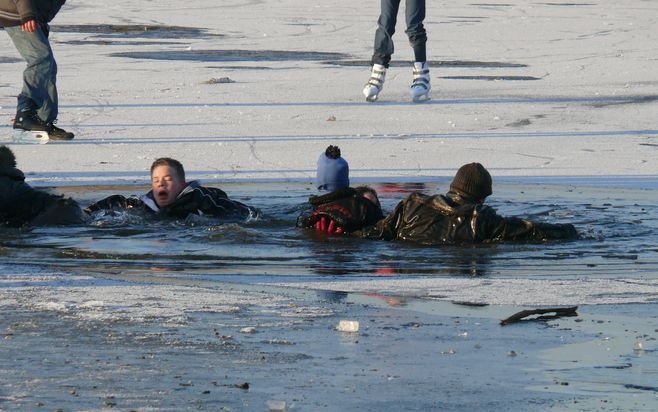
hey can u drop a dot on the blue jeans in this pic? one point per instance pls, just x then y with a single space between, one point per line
39 77
414 15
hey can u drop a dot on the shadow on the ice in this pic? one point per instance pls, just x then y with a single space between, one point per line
432 63
136 31
5 59
231 55
594 101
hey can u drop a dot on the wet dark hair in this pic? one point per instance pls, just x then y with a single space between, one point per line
362 190
7 158
173 163
332 152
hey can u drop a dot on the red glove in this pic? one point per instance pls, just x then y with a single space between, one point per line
329 228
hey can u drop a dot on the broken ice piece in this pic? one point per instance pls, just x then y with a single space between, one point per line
248 329
276 405
348 326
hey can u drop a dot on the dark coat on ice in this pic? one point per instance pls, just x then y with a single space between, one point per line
20 204
347 207
452 218
17 12
194 199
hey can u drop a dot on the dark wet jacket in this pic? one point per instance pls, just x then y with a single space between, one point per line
193 200
439 219
17 12
20 204
347 207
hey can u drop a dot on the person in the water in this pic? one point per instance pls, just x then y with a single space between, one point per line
172 196
22 205
344 209
460 216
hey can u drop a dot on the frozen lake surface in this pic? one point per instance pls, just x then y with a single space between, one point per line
556 99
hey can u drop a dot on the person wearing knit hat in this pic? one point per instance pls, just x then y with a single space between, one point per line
460 216
472 181
344 210
333 171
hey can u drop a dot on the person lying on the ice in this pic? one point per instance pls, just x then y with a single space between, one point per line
460 216
172 196
344 209
21 205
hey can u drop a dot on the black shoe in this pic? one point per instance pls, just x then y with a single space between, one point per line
55 133
28 120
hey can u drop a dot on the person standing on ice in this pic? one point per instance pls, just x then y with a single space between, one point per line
414 15
26 23
344 209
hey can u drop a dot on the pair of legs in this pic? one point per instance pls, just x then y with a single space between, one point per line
414 16
39 92
37 107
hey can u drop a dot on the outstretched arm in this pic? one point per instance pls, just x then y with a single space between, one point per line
114 202
514 228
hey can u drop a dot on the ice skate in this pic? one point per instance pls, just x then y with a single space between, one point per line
376 83
29 128
420 88
20 136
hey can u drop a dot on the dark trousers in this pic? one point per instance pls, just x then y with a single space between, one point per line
414 16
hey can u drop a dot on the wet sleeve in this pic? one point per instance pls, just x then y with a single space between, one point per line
27 203
214 202
61 212
332 211
514 228
114 202
387 228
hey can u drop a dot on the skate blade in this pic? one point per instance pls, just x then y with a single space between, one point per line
372 98
30 137
422 98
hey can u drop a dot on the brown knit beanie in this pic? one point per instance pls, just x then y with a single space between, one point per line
472 180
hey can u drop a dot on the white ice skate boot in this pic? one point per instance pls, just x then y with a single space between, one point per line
376 83
420 88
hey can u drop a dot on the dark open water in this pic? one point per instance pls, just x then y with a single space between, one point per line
619 228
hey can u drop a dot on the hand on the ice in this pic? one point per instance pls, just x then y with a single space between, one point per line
30 26
328 226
